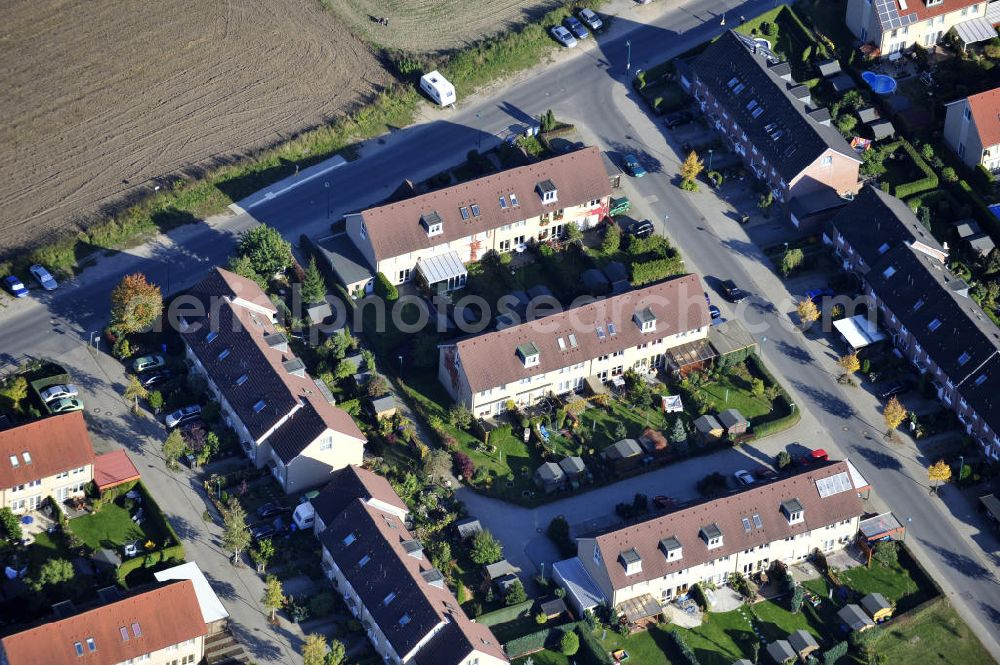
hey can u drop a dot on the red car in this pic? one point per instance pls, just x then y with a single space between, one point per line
816 456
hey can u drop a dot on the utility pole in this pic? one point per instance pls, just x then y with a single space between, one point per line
326 185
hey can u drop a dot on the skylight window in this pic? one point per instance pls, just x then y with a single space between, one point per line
91 645
79 648
349 538
405 619
124 633
211 336
14 462
756 521
241 379
751 104
27 457
562 344
503 203
475 210
136 630
981 379
889 272
917 305
738 89
572 340
259 406
733 81
600 332
513 199
962 359
464 211
223 354
883 248
612 330
934 325
364 560
389 598
746 525
757 111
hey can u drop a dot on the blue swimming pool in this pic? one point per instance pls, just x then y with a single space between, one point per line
880 84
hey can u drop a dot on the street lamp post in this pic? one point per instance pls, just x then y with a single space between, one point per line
628 62
326 186
961 466
711 153
400 365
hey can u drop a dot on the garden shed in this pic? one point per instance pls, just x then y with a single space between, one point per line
829 67
653 441
868 114
553 609
803 643
781 652
734 422
624 454
468 527
878 608
981 244
549 477
708 428
573 467
501 574
841 83
854 618
384 407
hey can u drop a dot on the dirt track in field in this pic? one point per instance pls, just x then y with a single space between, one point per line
435 25
97 98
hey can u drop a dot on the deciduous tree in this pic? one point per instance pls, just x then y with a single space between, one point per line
692 167
262 554
437 464
236 534
337 653
938 473
807 310
314 649
135 304
135 390
53 572
274 596
485 548
268 252
894 413
15 390
849 363
243 266
791 259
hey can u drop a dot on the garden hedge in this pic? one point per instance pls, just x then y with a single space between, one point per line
591 652
175 554
532 642
505 614
928 182
647 272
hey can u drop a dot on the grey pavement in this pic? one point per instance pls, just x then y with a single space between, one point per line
586 87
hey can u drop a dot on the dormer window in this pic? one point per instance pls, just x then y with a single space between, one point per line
547 190
793 511
529 354
433 224
712 535
645 319
631 561
671 548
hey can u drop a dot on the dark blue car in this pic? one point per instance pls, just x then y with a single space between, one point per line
15 286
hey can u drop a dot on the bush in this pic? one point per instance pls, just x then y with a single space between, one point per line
569 644
322 604
515 594
689 185
385 289
687 653
798 595
927 182
591 651
698 596
887 554
835 653
11 525
715 178
647 272
559 533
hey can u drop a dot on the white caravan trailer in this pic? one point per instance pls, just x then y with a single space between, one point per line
438 88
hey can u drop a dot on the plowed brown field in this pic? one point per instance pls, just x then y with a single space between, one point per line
99 97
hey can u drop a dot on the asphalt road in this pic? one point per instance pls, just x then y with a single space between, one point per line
585 88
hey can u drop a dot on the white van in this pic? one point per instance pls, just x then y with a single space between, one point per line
304 516
438 88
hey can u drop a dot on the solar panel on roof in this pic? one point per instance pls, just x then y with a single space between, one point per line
836 484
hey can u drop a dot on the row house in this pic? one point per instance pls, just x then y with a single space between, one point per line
927 310
972 129
554 355
641 567
381 571
432 237
49 457
897 25
749 96
284 418
164 625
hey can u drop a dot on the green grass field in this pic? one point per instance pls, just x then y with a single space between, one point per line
111 527
934 635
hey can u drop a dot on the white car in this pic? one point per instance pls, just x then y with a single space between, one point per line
43 277
58 392
744 478
591 19
563 36
181 416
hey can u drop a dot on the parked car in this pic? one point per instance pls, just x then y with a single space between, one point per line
15 286
662 502
895 388
563 36
619 206
642 229
43 277
591 18
744 478
678 118
714 312
815 294
573 24
633 166
65 405
814 457
271 509
732 292
153 379
183 415
262 531
58 392
146 363
764 472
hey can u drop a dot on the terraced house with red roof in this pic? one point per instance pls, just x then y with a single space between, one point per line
433 236
972 129
641 567
284 418
642 330
897 25
390 586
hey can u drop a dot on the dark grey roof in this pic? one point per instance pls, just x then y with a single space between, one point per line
802 640
384 403
828 67
670 543
853 617
982 244
710 531
731 417
882 129
500 569
821 116
875 222
348 485
345 259
553 607
706 423
781 651
630 556
842 83
875 602
735 76
868 114
468 527
966 228
791 506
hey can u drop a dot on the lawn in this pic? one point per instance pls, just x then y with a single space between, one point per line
789 39
603 428
111 527
731 392
545 657
898 584
934 635
827 18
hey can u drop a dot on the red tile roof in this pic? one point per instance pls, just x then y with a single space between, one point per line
923 12
491 360
53 445
395 229
985 109
165 616
728 513
114 468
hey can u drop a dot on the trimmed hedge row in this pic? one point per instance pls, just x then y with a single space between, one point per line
175 554
687 653
591 652
647 272
929 181
505 614
532 642
172 552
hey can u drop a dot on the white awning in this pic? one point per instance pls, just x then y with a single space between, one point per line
975 30
857 479
858 331
441 268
